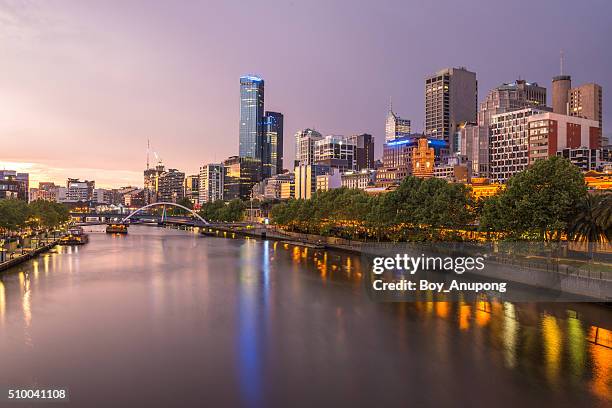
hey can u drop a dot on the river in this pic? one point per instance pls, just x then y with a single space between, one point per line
163 318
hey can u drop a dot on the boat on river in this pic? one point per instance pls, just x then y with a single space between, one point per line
74 236
117 229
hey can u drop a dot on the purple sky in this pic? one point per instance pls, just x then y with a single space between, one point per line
83 84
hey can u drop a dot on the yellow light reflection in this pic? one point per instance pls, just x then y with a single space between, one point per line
2 302
442 309
483 313
465 312
576 338
602 371
552 338
510 335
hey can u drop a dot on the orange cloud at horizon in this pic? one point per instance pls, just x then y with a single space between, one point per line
104 178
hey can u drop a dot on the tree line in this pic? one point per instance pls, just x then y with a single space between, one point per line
16 215
548 201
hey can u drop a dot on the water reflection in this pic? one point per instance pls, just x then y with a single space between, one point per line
286 316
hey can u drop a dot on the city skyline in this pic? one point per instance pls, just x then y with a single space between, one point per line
86 89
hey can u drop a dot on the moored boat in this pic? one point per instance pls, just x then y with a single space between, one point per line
74 236
116 229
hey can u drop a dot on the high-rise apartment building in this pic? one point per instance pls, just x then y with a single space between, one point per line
451 97
211 183
151 178
251 116
305 146
509 144
272 160
507 97
170 186
336 152
586 101
550 132
396 127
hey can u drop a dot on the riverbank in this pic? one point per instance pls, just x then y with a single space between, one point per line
590 280
27 256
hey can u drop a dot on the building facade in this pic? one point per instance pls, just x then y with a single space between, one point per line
451 97
79 190
423 159
272 187
364 150
240 175
192 188
397 158
396 127
509 145
359 179
335 151
506 97
251 116
151 179
211 183
14 185
305 146
586 101
550 132
306 179
170 186
272 161
587 159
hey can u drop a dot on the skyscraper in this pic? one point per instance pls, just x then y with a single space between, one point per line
211 182
585 101
251 116
395 126
272 159
305 144
451 97
506 97
561 85
364 150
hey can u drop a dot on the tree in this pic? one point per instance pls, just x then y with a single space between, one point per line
48 214
591 224
538 202
13 214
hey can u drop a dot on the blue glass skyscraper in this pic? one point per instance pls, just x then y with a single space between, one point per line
272 158
251 117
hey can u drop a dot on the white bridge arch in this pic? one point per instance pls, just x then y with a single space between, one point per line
165 204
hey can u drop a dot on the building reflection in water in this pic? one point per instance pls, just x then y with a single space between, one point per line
517 340
252 310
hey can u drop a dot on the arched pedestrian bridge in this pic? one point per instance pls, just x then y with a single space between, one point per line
164 204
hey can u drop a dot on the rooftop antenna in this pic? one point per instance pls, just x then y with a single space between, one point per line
148 148
390 104
561 57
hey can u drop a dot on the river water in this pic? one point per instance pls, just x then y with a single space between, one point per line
163 318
